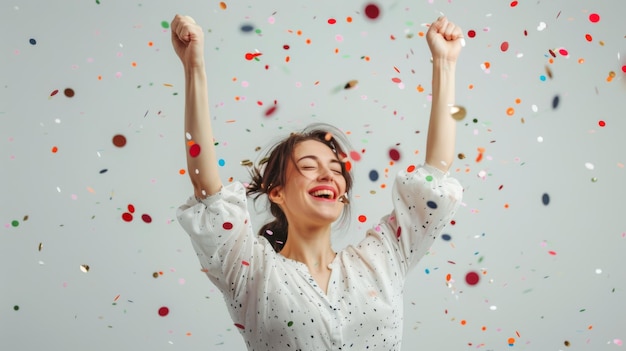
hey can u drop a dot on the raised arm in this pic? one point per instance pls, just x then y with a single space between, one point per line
188 42
444 40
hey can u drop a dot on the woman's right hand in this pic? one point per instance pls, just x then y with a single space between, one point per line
188 41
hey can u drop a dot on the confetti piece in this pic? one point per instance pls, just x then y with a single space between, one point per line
127 217
119 140
504 46
362 218
471 33
227 225
372 11
194 150
32 41
373 175
163 311
431 204
290 323
69 92
472 278
351 84
271 110
594 18
245 263
394 154
545 198
247 28
16 308
458 112
84 268
146 218
555 102
446 237
223 5
240 326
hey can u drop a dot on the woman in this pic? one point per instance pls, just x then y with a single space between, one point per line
293 291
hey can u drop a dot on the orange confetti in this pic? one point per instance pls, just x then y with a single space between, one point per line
511 341
54 149
448 277
510 111
420 88
150 43
287 59
308 41
349 19
223 5
463 322
181 171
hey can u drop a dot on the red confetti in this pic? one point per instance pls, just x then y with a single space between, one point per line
588 37
245 263
131 208
119 140
398 232
396 80
127 217
227 225
504 46
146 218
355 155
53 93
471 33
394 154
194 150
602 123
624 68
362 218
472 278
251 56
332 21
372 11
164 311
513 3
286 47
553 253
563 52
240 326
594 18
270 111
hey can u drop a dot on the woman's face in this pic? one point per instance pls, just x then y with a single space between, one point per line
314 183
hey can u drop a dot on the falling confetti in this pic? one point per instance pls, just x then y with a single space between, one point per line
545 198
119 140
372 11
472 278
69 92
163 311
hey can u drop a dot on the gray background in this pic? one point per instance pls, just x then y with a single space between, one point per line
552 276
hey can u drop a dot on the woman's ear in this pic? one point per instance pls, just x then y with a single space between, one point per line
276 195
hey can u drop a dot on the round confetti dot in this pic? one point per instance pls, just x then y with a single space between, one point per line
194 150
513 3
119 140
223 5
290 323
471 33
373 175
446 237
431 204
15 223
372 11
472 278
362 218
131 208
146 218
164 311
247 28
624 68
545 198
54 149
504 46
221 162
16 308
511 341
165 24
32 41
332 21
69 92
594 18
227 225
394 154
602 123
127 217
555 102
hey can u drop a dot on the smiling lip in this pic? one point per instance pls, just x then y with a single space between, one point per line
324 187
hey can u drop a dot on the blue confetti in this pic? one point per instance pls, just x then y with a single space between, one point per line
431 204
545 199
373 175
446 237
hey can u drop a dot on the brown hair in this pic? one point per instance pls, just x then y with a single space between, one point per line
270 172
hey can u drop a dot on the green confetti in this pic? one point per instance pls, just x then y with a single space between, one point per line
290 323
15 223
165 24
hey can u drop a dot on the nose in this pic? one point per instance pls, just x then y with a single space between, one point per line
326 174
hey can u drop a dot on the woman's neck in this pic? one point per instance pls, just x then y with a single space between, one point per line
309 246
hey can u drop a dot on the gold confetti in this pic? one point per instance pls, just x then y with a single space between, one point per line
458 112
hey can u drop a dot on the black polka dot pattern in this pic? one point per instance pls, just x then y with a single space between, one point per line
276 304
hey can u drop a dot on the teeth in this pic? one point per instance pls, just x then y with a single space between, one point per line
320 193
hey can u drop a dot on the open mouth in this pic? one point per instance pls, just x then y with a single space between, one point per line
324 194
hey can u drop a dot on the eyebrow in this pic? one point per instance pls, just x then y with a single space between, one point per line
315 158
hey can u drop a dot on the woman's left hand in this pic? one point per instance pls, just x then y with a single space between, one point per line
444 40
